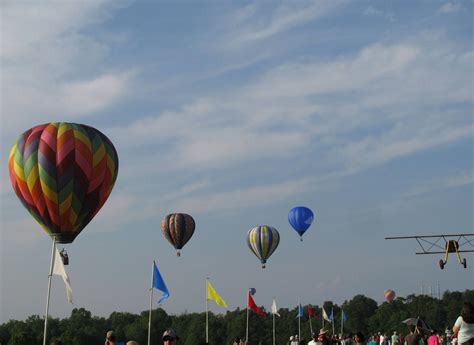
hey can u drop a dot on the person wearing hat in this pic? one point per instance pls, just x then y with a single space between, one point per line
131 342
110 338
170 337
323 337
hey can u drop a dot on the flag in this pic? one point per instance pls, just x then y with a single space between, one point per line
59 270
274 308
159 283
325 316
254 307
343 316
300 311
331 317
212 295
310 312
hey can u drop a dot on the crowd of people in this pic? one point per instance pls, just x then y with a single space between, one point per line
462 334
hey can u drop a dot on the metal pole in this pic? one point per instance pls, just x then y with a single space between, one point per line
322 315
273 328
422 289
310 326
431 290
53 254
151 301
439 294
207 314
247 328
299 321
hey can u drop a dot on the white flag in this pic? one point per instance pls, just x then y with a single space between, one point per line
59 270
274 308
325 316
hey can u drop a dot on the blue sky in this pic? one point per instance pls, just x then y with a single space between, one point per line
235 112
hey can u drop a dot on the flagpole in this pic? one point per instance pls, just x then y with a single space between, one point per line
247 328
299 321
273 328
322 314
332 321
53 254
207 316
151 301
310 326
342 322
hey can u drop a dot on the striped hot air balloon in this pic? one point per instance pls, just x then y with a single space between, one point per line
63 174
262 241
178 228
389 295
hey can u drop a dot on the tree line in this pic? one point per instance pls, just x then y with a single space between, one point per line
362 314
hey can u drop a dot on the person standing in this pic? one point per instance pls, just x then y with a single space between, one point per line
110 338
464 325
170 337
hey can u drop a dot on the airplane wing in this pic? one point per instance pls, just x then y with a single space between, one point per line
429 243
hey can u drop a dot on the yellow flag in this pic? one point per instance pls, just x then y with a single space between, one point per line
212 295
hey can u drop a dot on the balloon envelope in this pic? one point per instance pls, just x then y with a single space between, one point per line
262 241
178 228
63 174
300 218
389 295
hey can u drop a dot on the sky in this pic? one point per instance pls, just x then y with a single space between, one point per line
235 112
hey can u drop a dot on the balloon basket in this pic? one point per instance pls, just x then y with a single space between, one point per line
178 254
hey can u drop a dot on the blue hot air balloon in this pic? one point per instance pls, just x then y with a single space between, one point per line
300 219
262 241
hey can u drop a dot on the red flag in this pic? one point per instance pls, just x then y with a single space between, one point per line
316 316
310 312
254 307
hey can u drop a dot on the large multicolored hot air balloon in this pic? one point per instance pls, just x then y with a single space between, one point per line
300 218
262 241
389 295
63 174
178 228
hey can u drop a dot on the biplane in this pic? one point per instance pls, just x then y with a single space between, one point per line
443 244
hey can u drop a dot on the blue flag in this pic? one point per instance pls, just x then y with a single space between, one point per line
343 316
159 283
331 317
300 311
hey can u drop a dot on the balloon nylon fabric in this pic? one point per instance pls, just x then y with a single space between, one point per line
300 218
63 173
262 241
178 228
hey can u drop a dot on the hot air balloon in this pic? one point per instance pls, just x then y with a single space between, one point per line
178 228
389 295
300 218
262 241
63 174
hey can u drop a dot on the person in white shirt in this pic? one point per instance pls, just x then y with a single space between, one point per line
464 325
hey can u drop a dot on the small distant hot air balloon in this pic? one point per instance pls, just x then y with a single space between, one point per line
262 241
178 228
389 295
300 219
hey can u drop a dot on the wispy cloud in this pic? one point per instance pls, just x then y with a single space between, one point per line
450 7
52 67
278 20
453 181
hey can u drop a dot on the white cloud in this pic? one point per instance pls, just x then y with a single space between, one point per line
50 66
450 7
283 18
452 181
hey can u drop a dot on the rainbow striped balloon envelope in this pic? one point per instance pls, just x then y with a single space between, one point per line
262 241
63 174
